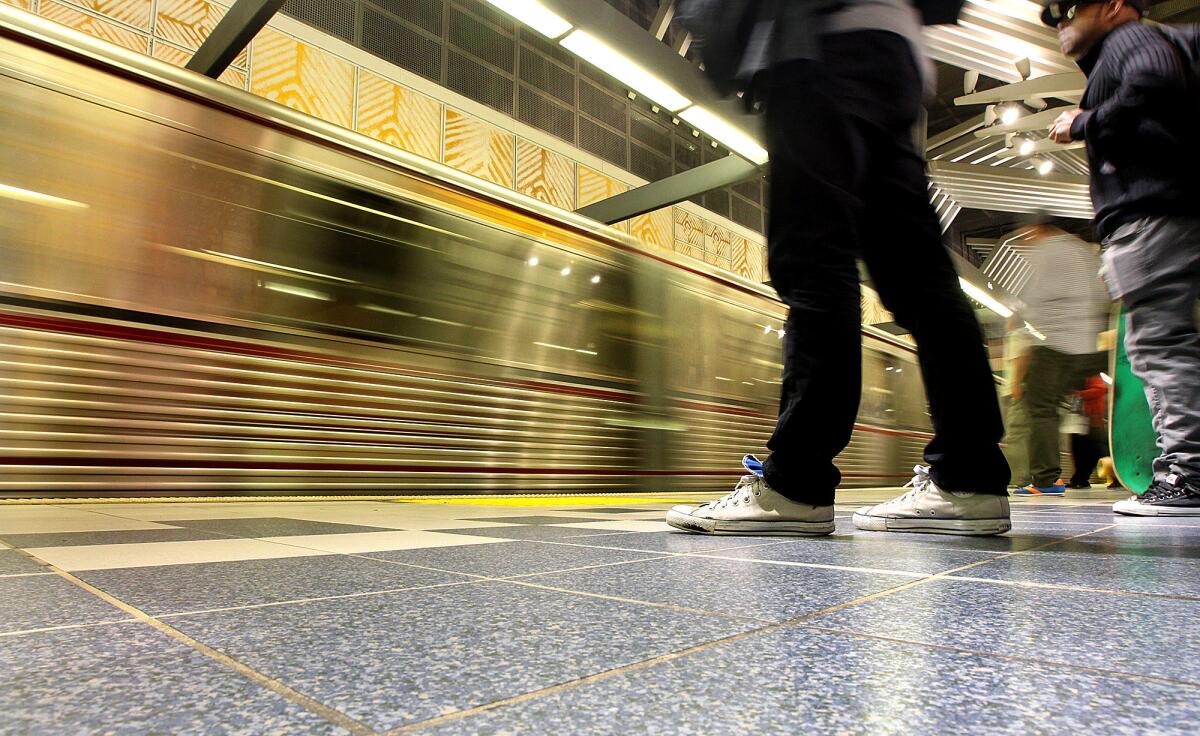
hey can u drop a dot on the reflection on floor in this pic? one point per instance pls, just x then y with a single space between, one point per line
588 615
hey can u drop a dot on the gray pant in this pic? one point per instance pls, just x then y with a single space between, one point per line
1016 441
1153 266
1051 377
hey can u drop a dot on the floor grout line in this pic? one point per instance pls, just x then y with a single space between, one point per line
355 727
1005 657
644 664
66 627
1074 588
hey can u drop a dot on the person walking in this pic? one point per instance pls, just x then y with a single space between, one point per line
841 97
1138 119
1067 304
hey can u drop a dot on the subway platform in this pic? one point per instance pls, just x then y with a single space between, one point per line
587 615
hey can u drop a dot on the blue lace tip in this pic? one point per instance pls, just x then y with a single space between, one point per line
753 465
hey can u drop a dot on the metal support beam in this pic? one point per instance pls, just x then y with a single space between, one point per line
662 19
241 24
673 189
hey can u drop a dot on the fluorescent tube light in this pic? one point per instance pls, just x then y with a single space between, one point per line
535 15
596 52
31 197
722 131
984 298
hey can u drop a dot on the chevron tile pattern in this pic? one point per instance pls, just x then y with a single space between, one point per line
479 149
545 175
303 77
689 233
134 13
179 57
399 116
186 23
22 4
873 311
718 241
93 26
654 229
594 186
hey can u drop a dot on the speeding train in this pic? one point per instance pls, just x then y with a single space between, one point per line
204 292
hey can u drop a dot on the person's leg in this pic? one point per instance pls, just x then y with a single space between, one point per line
1046 383
1084 454
964 491
1016 439
1154 267
817 166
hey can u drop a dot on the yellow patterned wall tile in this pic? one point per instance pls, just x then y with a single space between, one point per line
654 229
594 186
186 22
479 149
93 26
689 228
718 240
22 4
134 13
303 77
545 175
758 263
179 57
741 254
689 250
399 116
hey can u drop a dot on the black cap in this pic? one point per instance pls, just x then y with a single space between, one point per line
1053 13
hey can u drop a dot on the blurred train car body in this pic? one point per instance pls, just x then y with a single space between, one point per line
204 292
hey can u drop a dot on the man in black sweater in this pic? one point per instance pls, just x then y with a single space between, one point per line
1138 118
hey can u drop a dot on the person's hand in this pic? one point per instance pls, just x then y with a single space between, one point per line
1018 392
1060 129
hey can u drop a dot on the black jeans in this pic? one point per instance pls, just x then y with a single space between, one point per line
847 182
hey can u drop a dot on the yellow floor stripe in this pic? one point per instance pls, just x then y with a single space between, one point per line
555 500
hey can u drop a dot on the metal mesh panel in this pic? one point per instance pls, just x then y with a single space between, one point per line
482 41
602 80
484 10
393 41
543 113
751 189
603 142
479 82
603 106
543 74
747 214
335 17
427 14
687 153
537 41
650 133
718 201
647 164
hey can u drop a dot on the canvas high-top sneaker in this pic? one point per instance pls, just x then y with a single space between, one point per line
927 508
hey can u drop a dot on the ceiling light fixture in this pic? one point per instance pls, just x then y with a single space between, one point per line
724 132
621 67
535 15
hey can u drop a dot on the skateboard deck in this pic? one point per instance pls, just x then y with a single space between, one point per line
1132 439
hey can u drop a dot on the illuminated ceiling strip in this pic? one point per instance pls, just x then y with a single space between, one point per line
535 15
727 134
622 68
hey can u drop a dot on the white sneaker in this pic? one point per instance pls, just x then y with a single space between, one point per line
753 508
927 508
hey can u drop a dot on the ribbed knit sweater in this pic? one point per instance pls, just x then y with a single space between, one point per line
1140 124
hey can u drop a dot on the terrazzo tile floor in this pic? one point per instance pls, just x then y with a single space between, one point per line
574 616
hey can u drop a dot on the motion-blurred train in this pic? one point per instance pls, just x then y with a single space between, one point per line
202 291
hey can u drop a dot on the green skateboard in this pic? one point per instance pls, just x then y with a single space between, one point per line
1131 435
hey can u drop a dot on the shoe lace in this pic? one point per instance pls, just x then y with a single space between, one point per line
919 485
1163 491
748 485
